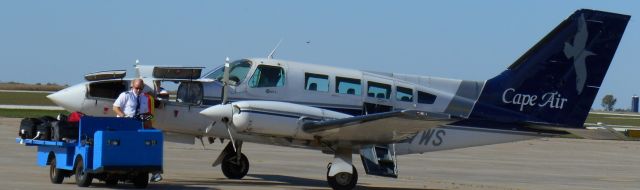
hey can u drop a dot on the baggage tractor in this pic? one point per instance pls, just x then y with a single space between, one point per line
28 127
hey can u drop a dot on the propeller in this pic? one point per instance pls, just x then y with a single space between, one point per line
225 82
224 111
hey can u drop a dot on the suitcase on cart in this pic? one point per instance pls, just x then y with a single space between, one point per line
62 130
28 127
43 131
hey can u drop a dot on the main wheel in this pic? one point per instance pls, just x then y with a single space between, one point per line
83 178
56 175
141 180
233 169
343 180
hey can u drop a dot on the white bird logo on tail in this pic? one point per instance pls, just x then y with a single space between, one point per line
578 52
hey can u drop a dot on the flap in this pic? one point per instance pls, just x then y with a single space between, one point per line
184 73
379 128
105 75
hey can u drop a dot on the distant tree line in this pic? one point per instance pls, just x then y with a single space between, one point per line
31 87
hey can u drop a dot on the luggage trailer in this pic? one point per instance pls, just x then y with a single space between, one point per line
108 149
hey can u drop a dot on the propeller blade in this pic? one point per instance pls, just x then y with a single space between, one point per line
233 143
206 130
225 82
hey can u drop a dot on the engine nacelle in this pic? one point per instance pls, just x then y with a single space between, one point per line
278 118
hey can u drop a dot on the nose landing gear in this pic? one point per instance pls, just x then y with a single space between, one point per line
235 164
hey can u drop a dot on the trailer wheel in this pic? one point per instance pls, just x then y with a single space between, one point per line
83 178
141 181
56 175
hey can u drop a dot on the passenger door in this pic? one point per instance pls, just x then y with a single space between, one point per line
378 94
379 160
404 96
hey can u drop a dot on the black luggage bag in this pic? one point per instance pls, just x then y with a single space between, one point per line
63 130
43 131
28 127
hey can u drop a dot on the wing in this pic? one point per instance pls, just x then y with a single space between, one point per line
379 128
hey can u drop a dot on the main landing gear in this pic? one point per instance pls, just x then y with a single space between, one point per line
342 180
341 174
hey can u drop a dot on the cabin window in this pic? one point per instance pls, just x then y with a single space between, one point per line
426 98
109 89
348 86
378 90
237 71
404 94
316 82
267 76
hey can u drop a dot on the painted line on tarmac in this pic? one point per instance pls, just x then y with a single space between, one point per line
25 107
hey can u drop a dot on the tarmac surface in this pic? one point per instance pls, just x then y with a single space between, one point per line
536 164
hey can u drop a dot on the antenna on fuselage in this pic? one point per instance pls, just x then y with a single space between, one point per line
270 56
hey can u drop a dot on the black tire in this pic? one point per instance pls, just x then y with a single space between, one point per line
233 169
83 179
56 175
141 180
343 180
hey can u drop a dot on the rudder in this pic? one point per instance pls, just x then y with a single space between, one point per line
557 80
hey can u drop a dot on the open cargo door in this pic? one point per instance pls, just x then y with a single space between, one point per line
379 160
105 75
177 73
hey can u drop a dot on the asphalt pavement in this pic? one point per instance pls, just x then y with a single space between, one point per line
536 164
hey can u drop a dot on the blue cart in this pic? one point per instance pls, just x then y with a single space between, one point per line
108 149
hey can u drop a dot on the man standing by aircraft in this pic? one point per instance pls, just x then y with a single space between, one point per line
133 103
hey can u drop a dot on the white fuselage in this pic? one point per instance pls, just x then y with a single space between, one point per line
346 91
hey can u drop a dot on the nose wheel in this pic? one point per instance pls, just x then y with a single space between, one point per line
234 166
342 180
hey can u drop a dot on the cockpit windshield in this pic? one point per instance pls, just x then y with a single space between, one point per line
237 71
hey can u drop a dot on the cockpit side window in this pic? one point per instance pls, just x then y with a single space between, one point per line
237 71
267 76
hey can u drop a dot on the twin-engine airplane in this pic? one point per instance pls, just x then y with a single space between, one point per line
546 92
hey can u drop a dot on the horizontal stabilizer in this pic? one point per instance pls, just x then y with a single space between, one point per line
602 133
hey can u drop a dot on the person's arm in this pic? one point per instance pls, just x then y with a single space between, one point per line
118 104
118 111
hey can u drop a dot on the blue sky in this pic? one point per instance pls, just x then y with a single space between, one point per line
59 41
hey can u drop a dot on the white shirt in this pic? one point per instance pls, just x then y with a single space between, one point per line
127 102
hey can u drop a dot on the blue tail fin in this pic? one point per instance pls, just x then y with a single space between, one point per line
556 81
